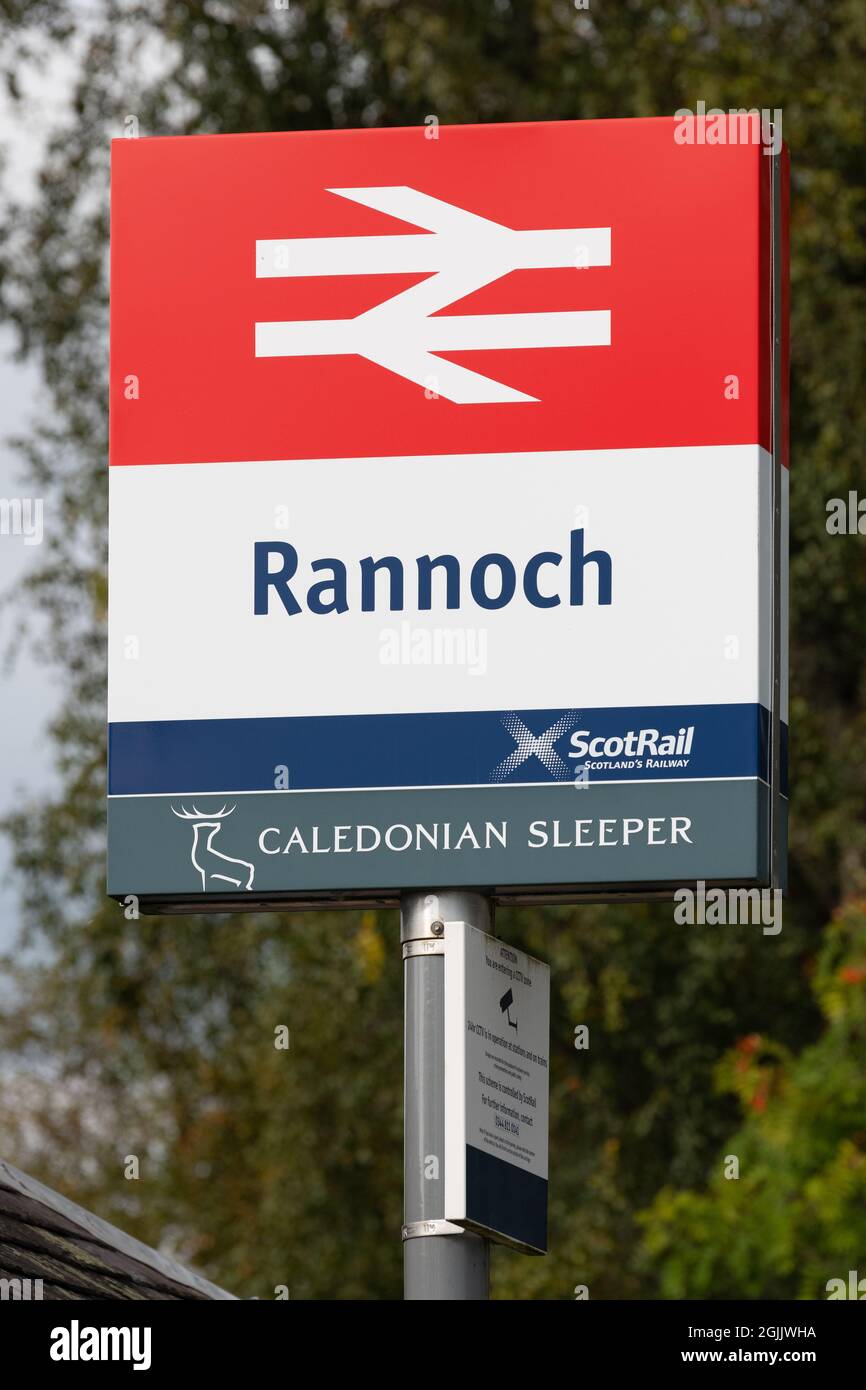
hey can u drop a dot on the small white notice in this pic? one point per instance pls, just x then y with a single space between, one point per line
497 1044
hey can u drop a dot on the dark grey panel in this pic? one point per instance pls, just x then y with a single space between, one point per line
351 843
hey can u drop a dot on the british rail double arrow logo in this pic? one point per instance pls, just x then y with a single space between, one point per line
461 252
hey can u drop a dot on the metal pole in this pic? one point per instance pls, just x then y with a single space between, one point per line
440 1261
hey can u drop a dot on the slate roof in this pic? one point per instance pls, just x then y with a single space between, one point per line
77 1255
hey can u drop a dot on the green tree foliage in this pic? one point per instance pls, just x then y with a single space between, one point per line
795 1217
156 1037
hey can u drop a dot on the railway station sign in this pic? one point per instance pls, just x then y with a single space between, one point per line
448 502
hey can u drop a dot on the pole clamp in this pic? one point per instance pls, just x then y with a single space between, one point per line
423 947
427 924
439 1227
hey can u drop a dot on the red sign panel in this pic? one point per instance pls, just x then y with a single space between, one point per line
615 306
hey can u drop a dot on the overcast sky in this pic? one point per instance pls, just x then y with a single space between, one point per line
29 692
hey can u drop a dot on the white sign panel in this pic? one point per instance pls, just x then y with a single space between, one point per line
497 1045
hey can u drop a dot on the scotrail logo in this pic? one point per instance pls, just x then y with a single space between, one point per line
534 746
461 253
636 750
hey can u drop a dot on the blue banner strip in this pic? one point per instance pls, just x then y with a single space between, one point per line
490 747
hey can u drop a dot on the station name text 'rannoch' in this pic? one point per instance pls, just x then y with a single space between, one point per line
387 583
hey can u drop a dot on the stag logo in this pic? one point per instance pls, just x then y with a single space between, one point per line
211 863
